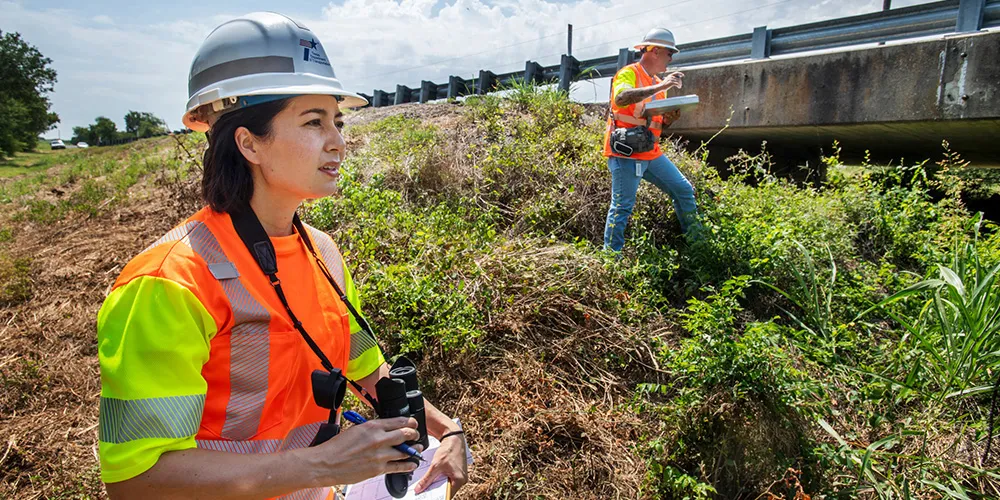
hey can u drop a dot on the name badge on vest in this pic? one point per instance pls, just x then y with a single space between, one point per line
223 270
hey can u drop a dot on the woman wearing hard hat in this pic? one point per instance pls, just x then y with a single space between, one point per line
632 145
211 338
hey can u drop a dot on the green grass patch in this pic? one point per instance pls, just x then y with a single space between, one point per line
15 280
90 180
27 163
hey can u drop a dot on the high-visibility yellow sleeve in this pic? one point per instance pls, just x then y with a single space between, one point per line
625 79
366 357
153 339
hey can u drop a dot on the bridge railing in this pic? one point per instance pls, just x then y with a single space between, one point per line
949 16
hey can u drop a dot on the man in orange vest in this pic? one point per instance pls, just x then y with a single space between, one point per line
634 155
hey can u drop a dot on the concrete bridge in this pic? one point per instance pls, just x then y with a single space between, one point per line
898 100
896 82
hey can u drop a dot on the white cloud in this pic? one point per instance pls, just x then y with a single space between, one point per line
385 38
102 19
108 66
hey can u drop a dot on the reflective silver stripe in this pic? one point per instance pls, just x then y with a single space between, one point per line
240 67
361 342
300 437
250 345
124 420
297 438
250 340
631 120
330 253
313 494
174 234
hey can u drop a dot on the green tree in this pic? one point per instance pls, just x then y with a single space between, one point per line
83 134
144 124
26 78
104 130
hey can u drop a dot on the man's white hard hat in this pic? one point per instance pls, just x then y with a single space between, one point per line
259 57
658 37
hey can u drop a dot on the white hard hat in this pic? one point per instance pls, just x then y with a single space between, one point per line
658 37
259 57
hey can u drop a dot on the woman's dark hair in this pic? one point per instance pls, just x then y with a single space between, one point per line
227 184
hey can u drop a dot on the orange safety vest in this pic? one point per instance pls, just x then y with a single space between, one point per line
259 397
631 115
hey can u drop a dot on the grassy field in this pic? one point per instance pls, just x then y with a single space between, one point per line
836 339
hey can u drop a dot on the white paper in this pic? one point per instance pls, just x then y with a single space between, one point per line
374 488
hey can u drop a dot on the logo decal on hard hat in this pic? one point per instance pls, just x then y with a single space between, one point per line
311 54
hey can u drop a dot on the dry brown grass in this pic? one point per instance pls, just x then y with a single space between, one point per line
48 350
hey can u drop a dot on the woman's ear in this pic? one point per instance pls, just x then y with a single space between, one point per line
248 144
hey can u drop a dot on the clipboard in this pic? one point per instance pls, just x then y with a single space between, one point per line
661 106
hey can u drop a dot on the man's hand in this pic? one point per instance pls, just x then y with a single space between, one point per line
670 117
673 80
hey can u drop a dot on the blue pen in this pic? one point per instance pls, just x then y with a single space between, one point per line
356 418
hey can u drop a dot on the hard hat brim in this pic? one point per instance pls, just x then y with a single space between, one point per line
238 87
639 46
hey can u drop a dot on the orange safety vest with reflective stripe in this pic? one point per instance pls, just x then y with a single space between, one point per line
254 392
631 115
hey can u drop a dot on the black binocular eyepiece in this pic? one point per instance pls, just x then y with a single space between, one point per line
329 389
400 396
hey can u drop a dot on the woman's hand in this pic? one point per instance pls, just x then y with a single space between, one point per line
449 461
362 452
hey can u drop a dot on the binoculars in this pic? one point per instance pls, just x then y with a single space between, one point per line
398 396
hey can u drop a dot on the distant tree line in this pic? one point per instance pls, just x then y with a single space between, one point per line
138 125
25 81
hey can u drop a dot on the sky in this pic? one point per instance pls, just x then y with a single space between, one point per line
113 56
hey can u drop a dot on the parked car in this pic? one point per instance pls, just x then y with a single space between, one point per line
57 144
82 145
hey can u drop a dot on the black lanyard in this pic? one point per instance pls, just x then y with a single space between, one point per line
255 238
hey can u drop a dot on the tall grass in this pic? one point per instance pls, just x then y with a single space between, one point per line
956 330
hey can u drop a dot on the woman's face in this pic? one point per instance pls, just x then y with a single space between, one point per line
301 157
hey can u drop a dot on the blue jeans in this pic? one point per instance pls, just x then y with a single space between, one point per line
625 176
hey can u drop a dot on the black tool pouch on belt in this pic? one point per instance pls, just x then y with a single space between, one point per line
632 140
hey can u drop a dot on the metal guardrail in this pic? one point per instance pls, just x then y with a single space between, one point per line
949 16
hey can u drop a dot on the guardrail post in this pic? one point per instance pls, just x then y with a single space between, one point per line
403 94
533 73
456 87
380 98
970 15
428 91
487 81
625 57
760 47
569 69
